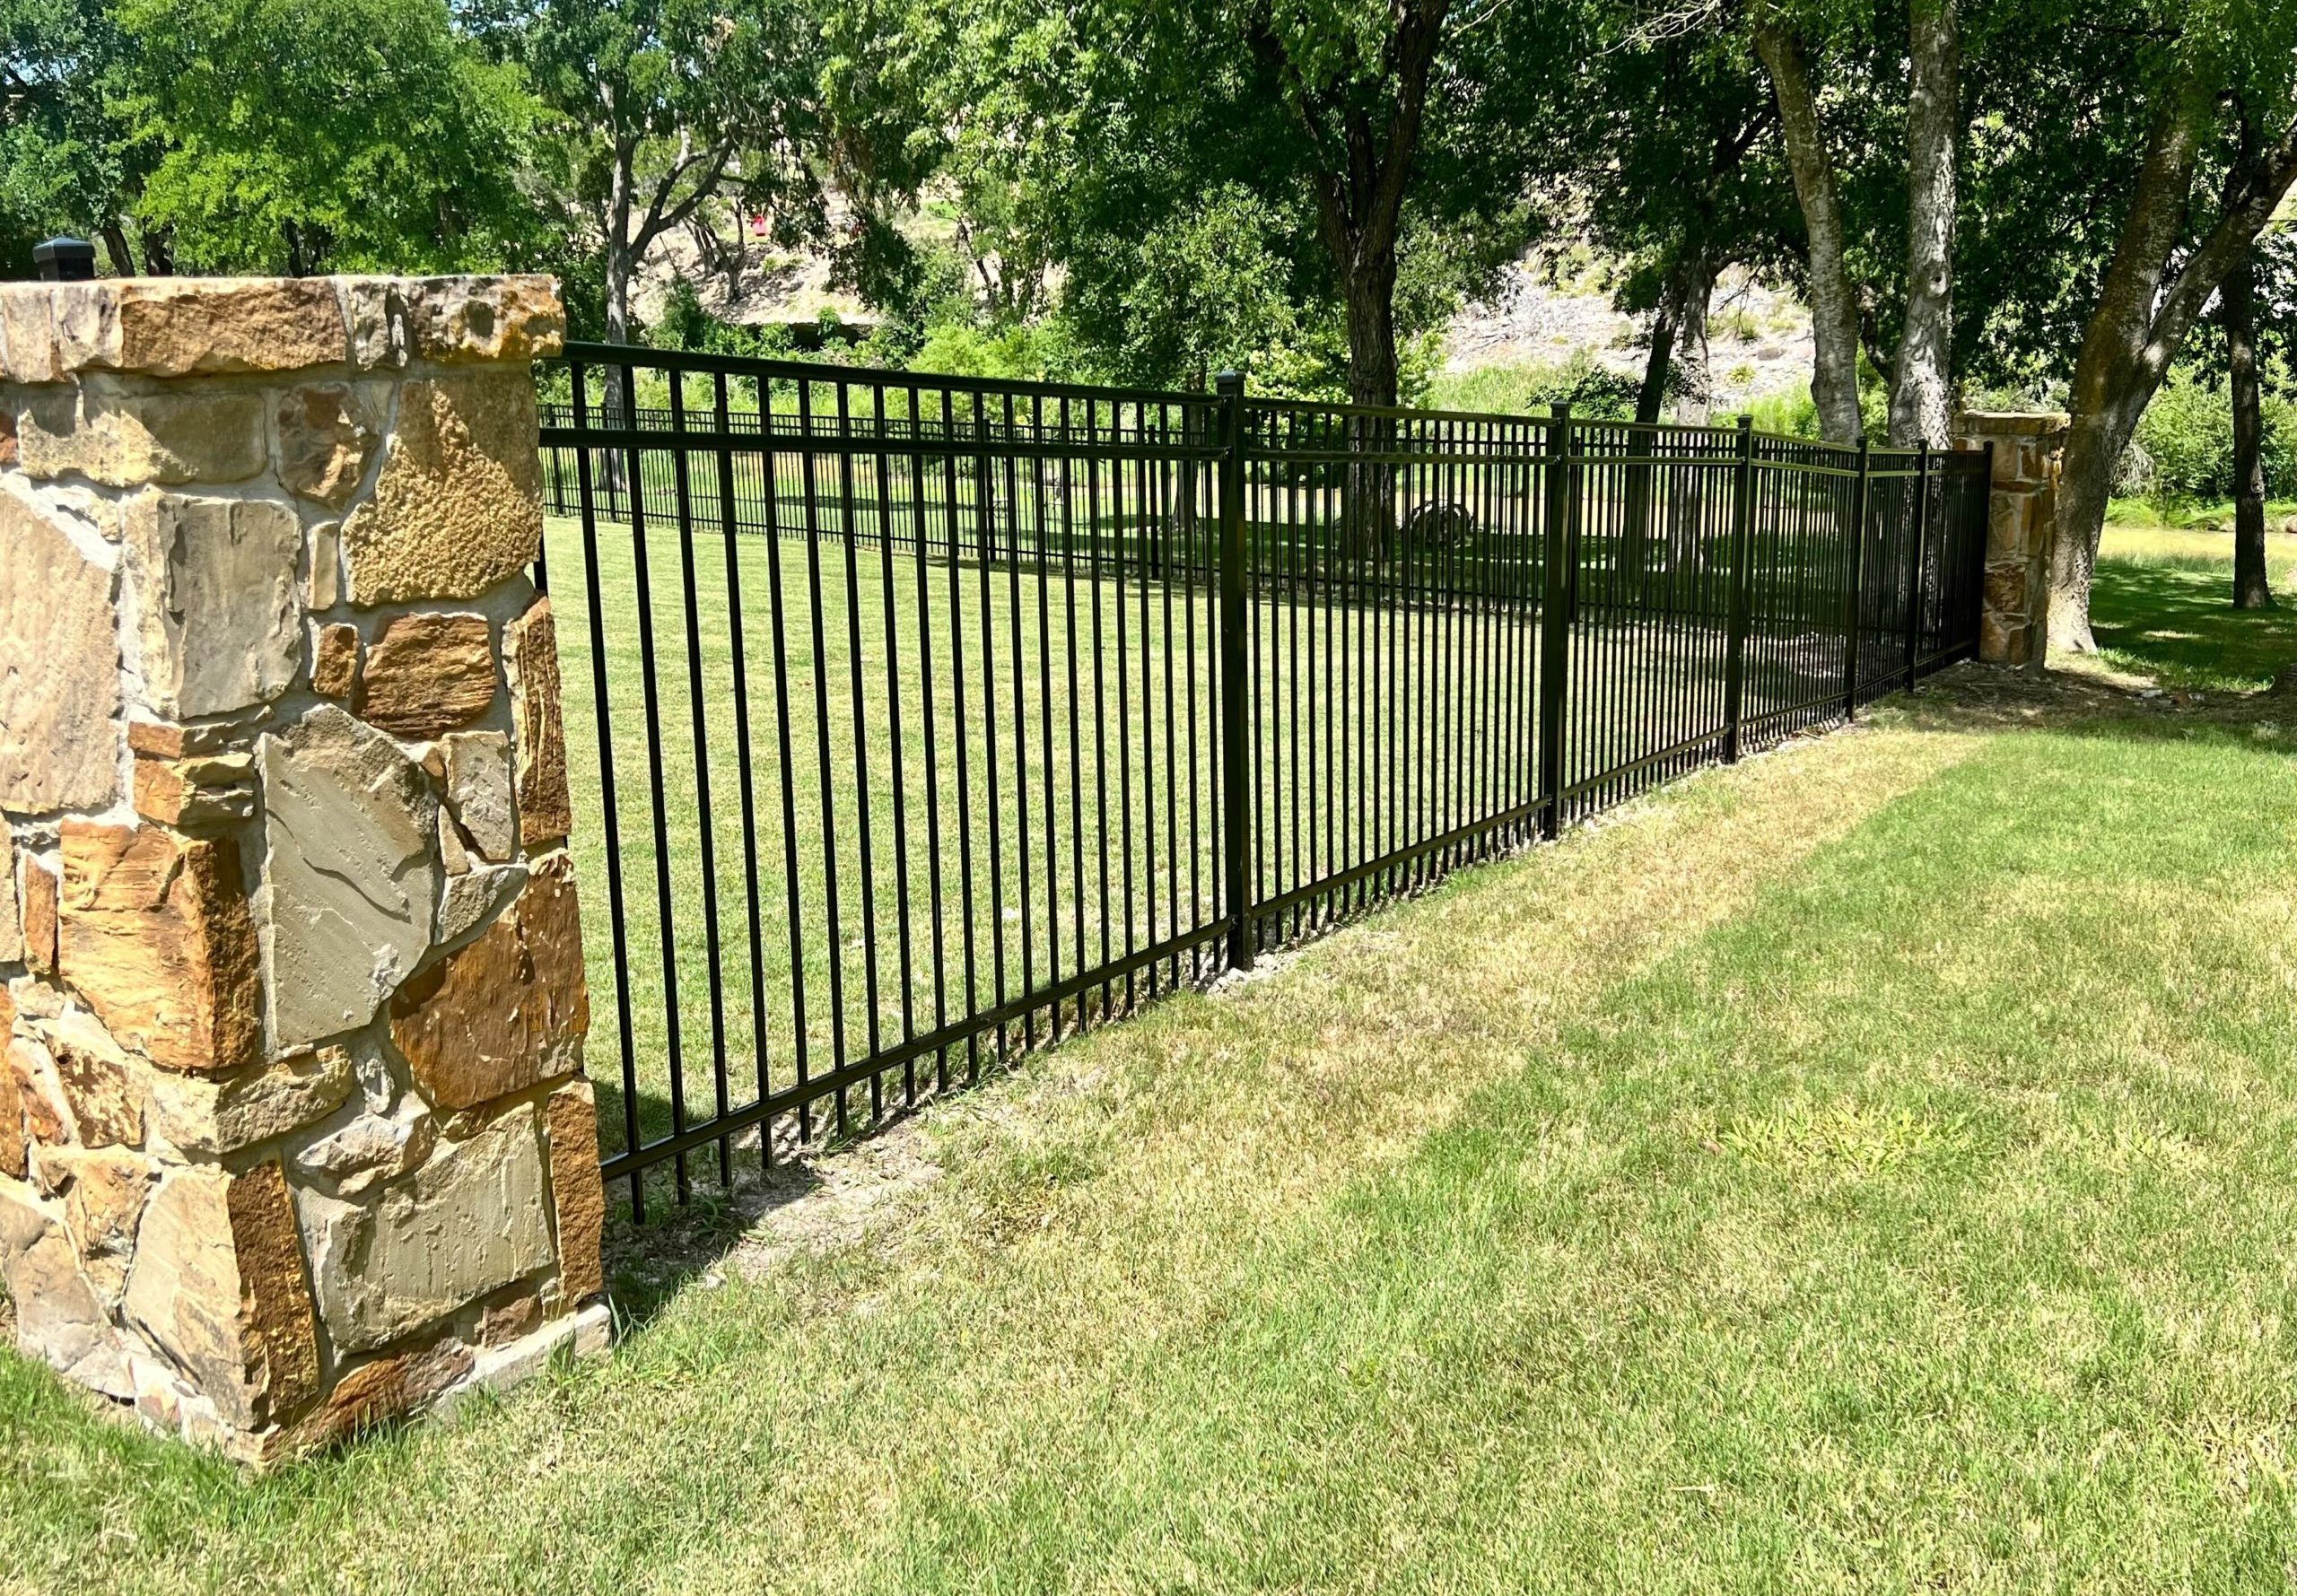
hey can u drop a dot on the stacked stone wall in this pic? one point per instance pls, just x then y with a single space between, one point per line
2022 527
293 1130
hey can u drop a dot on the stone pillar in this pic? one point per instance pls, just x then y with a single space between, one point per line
293 1135
2013 623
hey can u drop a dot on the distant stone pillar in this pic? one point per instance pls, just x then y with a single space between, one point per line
293 1130
2013 622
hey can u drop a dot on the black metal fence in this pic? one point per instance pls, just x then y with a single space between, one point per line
930 720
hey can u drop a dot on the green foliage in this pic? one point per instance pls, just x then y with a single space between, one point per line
2183 452
1589 388
63 167
302 135
1794 414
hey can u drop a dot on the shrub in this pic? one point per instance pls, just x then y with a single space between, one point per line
2182 453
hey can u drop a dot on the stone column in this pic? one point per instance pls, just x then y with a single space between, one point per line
293 1135
2013 623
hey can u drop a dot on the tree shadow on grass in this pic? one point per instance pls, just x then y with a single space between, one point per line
2180 625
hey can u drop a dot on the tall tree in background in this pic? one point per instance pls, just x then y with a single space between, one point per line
1921 381
1677 158
1920 371
65 165
309 135
1834 310
1375 127
2174 246
2252 588
661 105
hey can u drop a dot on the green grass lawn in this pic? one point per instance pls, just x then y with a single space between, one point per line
1869 1168
2162 609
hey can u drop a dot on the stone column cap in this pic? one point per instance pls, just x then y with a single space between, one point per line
185 327
2011 423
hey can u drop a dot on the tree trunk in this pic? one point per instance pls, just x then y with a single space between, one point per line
1370 515
1834 313
1652 396
123 260
1694 357
2252 587
1920 395
2111 383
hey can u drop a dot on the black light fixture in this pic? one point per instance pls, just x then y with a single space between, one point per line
64 260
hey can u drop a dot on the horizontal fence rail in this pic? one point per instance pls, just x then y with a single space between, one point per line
931 720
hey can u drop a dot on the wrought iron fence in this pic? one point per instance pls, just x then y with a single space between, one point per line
931 720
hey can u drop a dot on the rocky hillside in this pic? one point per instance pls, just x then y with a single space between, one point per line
1760 338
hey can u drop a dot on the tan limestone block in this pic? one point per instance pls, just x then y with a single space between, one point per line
197 793
375 1392
571 1117
335 660
155 934
217 607
60 1319
39 1097
126 440
325 438
376 308
219 1284
11 914
350 871
2007 591
217 1115
427 675
158 740
326 583
538 767
103 1094
487 319
103 1194
516 1316
476 775
469 897
469 1222
508 1009
27 333
59 665
11 1111
457 505
177 326
2002 640
39 916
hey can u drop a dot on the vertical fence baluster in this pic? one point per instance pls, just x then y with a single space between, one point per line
1554 623
1855 575
1916 558
1742 559
1234 793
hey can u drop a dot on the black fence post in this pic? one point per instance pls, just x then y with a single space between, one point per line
1921 558
1235 790
1742 560
1857 575
1555 621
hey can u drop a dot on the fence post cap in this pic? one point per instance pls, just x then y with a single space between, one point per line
64 260
1228 382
